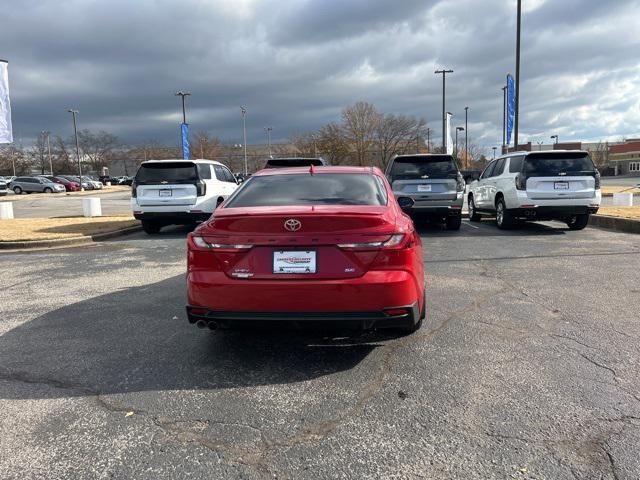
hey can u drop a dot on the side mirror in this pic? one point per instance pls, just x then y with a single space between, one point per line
406 203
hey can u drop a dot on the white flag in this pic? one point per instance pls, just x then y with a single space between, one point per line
6 132
448 135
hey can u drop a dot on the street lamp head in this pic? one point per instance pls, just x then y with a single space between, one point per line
182 94
73 111
243 110
460 128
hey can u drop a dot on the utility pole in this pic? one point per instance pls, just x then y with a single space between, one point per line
517 99
41 148
428 140
466 137
46 134
268 132
75 131
444 112
243 112
504 117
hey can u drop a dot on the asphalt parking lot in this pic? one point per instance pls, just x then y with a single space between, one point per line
54 205
528 368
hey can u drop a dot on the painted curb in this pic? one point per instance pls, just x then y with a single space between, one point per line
67 242
615 223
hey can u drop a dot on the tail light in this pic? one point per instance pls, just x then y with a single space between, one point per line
597 178
201 188
521 182
460 183
392 242
133 190
201 243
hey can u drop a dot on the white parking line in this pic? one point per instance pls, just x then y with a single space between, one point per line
469 225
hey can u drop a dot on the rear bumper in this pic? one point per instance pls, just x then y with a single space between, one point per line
362 300
313 320
550 213
172 217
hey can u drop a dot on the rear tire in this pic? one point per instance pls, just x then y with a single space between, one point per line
453 223
504 219
578 222
474 216
150 227
17 190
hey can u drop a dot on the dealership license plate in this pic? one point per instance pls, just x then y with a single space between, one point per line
561 185
165 192
296 261
424 188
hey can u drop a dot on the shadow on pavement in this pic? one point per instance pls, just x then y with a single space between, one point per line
138 339
488 228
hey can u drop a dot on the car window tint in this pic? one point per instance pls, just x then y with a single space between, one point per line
305 189
228 175
170 172
219 171
204 170
488 170
423 166
515 165
499 168
555 164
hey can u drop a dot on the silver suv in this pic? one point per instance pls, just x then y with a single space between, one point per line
434 184
34 184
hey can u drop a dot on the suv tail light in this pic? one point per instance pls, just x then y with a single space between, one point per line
521 182
201 188
597 178
460 183
133 190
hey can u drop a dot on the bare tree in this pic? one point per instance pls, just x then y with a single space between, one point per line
98 148
205 146
600 154
11 157
62 161
395 133
306 144
359 124
332 144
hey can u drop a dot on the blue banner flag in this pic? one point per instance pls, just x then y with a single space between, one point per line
185 141
511 106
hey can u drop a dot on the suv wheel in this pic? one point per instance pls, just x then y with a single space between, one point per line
151 227
453 223
474 216
504 219
578 222
17 190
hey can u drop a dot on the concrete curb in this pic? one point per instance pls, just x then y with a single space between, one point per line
615 223
68 242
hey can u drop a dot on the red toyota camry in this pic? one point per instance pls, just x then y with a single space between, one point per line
316 246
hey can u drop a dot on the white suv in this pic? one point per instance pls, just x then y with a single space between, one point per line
553 185
175 192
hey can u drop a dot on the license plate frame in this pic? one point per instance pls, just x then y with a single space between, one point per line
165 192
294 262
425 187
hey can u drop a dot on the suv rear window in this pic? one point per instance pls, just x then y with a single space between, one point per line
305 189
410 168
170 172
545 165
293 162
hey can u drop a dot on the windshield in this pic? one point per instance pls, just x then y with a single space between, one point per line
416 167
169 172
553 164
304 189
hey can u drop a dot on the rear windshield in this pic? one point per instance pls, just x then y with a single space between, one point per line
411 168
293 162
170 172
551 165
305 189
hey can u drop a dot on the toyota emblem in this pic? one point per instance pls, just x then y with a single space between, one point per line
292 225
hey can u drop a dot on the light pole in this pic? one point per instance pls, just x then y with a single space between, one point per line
444 82
494 152
268 132
75 131
517 99
466 138
458 129
184 112
428 140
49 151
556 139
243 112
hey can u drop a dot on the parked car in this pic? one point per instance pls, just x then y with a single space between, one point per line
170 192
551 185
125 180
332 247
95 183
68 185
434 183
4 188
34 184
295 162
85 183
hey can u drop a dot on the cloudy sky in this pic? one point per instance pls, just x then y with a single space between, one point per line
296 63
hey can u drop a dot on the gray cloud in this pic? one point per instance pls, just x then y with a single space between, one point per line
297 63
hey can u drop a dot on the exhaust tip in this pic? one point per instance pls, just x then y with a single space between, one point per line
212 325
201 324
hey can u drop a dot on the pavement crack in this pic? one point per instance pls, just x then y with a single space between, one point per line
612 464
600 365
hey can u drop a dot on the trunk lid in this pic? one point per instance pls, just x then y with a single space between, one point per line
166 182
321 230
559 175
426 189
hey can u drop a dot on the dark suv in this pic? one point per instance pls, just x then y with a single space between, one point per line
434 184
